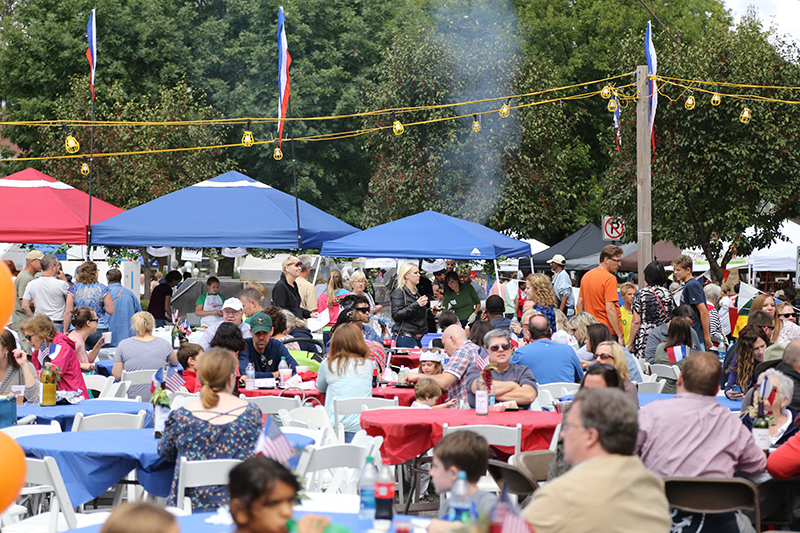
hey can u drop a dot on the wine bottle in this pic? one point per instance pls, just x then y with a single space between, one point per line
761 427
48 378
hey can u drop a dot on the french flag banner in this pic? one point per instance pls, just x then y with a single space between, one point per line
677 353
91 52
284 61
767 391
652 70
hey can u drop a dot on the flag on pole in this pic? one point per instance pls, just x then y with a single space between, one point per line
174 380
158 378
617 125
767 391
91 52
284 61
273 443
677 353
652 70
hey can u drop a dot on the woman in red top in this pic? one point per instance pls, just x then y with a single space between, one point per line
56 348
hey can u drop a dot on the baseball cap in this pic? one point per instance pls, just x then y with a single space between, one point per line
33 255
260 322
233 303
559 260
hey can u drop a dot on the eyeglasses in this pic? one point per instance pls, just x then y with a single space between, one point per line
362 309
603 356
92 320
499 347
786 315
298 264
769 327
28 337
618 261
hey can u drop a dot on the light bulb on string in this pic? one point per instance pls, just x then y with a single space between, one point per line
716 99
397 126
277 154
476 125
85 167
71 144
505 110
746 114
612 105
247 139
605 92
690 102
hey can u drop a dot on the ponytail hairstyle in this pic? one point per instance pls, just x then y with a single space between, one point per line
81 316
214 371
335 282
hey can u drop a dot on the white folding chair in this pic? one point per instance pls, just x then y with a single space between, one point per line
317 434
62 516
109 421
652 387
666 371
494 435
138 377
26 420
303 415
641 368
317 461
354 406
271 405
18 431
118 390
559 389
203 473
96 382
179 401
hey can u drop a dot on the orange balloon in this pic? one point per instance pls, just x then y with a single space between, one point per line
12 465
7 294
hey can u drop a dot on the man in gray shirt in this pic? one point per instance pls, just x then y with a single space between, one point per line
511 382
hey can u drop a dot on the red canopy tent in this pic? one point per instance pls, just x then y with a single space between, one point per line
38 209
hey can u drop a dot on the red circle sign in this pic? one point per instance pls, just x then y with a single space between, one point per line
614 228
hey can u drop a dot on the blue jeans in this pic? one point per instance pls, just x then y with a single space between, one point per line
404 341
160 322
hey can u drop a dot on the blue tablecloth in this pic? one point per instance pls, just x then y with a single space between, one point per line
196 523
65 414
93 461
645 398
104 367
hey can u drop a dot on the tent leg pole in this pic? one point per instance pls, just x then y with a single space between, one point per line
496 274
531 258
316 271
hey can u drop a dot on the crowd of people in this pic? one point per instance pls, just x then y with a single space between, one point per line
534 332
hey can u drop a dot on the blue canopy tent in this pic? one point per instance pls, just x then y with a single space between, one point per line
424 235
230 210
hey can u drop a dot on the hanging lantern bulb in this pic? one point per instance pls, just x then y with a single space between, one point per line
476 125
247 139
716 99
745 116
397 126
72 145
605 92
690 102
277 154
505 110
85 168
612 105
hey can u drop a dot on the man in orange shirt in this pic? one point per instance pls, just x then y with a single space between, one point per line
598 294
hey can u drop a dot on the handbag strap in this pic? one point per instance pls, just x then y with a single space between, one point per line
659 302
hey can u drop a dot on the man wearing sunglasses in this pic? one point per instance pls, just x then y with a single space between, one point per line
598 294
511 382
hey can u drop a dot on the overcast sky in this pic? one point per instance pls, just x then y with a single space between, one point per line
785 14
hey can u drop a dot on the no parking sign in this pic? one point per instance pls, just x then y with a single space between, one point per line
613 228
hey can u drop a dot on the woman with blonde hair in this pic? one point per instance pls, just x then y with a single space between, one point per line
143 351
330 299
539 290
84 321
285 293
358 286
88 292
218 425
786 328
346 373
611 353
140 517
578 326
409 308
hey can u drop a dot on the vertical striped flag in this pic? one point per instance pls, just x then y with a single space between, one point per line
767 391
677 353
91 52
273 443
652 70
158 378
617 125
284 61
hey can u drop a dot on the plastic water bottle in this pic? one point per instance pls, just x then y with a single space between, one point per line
284 372
460 500
366 489
250 377
384 495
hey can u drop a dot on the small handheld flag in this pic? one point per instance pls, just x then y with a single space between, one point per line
158 379
284 61
767 391
174 380
677 353
272 442
91 52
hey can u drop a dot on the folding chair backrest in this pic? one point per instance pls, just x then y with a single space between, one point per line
139 377
666 371
109 421
271 405
96 382
559 389
652 387
354 406
119 389
201 474
179 401
45 472
317 434
16 432
318 415
494 435
340 460
713 495
514 479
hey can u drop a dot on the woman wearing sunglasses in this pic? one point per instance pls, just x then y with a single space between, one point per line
786 328
611 353
285 293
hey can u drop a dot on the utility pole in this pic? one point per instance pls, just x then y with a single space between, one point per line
644 220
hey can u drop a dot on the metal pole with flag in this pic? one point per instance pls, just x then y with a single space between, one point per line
91 55
284 86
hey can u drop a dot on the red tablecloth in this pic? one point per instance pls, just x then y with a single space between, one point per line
409 433
410 359
406 396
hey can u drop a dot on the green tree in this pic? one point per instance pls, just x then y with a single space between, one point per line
714 177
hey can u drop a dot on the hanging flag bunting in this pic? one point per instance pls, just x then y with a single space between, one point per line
652 69
284 61
616 124
91 52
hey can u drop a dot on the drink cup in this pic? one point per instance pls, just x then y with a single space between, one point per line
107 337
19 393
302 368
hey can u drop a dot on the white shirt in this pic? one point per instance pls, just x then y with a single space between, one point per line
725 303
49 295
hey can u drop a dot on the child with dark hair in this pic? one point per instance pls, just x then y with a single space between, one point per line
209 304
188 356
263 494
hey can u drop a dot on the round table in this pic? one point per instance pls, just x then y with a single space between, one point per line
408 433
405 396
65 414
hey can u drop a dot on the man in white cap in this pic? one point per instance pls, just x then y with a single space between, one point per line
232 311
33 265
562 285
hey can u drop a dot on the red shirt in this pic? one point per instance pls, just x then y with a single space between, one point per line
190 377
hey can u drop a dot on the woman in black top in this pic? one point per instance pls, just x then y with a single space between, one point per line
408 308
285 294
